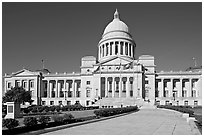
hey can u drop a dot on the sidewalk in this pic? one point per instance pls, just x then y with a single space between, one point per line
143 122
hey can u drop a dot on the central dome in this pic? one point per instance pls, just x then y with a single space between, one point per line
116 28
116 25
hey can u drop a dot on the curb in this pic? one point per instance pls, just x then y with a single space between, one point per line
42 131
194 128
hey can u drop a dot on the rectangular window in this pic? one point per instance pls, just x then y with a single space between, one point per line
60 102
87 102
110 86
24 84
146 82
51 102
167 102
185 103
117 85
68 102
177 103
88 93
195 103
17 83
77 102
78 94
31 84
124 85
131 85
43 103
194 93
88 82
9 85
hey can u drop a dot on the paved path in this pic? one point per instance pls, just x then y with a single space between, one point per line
144 122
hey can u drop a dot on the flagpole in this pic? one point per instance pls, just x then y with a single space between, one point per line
100 83
120 91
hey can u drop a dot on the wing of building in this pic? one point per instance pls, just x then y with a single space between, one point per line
115 78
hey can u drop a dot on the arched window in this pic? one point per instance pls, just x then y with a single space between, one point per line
121 48
130 47
126 48
102 50
106 49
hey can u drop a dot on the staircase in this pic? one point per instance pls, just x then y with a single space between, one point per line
118 102
147 105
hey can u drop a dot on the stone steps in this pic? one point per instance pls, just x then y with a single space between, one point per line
117 102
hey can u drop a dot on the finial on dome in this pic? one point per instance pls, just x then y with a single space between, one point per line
116 14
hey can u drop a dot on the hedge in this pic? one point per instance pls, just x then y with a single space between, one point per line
183 109
10 123
114 111
30 121
45 109
66 118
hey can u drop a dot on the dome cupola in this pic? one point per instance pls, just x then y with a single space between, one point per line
116 40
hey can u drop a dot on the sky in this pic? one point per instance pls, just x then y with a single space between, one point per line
62 33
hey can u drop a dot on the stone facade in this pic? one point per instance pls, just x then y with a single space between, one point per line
116 78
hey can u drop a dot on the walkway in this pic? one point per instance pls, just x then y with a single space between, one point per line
144 122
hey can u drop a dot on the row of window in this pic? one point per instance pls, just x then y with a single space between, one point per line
23 83
186 103
62 94
59 103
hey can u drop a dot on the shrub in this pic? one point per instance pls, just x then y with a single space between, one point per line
183 109
67 117
44 119
34 110
30 121
10 123
57 108
58 118
113 111
26 110
41 108
52 108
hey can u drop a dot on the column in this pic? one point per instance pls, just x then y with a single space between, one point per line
65 87
127 87
120 87
132 50
123 48
107 50
162 88
58 89
104 50
73 88
171 88
118 47
190 88
106 86
128 50
181 88
110 49
113 85
48 88
51 89
113 48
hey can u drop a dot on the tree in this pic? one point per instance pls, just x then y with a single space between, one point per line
18 95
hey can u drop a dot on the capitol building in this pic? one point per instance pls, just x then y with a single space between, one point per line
114 78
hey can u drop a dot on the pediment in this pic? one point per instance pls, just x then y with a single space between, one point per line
116 61
25 72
